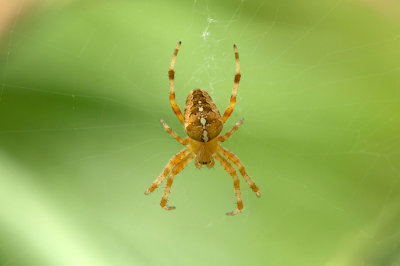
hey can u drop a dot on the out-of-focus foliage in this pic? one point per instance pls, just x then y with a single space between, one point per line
82 88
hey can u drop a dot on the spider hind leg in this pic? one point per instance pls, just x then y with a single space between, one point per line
172 162
236 183
179 167
231 156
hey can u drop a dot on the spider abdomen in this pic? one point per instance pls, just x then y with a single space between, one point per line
203 121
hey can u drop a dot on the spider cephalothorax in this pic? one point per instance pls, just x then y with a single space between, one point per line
203 124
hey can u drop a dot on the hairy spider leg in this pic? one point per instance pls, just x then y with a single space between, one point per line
172 162
171 74
231 106
179 167
169 130
236 183
231 131
228 154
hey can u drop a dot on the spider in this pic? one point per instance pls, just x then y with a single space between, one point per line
203 124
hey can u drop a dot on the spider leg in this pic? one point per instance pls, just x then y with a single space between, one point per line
172 162
231 106
173 134
242 170
231 131
236 183
179 167
197 164
171 74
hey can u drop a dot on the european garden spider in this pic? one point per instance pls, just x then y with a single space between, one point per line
203 124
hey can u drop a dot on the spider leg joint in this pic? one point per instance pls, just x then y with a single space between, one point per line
232 213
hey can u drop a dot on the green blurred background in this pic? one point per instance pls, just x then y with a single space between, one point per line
84 83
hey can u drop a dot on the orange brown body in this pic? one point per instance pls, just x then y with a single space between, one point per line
203 124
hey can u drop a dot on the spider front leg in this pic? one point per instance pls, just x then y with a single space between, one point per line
172 162
173 134
236 81
236 183
179 167
242 170
231 131
171 74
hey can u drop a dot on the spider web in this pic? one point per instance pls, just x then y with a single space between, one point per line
82 88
